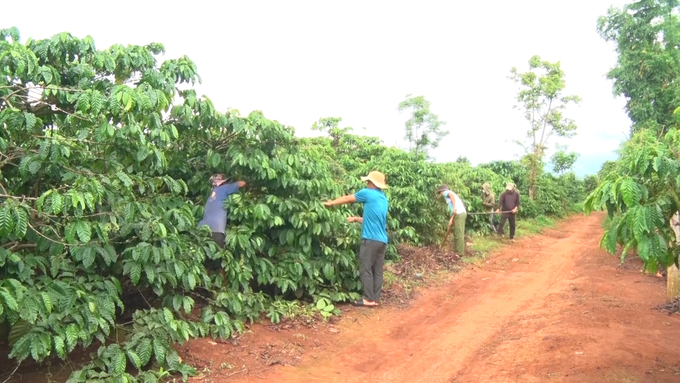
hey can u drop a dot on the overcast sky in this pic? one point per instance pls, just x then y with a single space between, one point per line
297 61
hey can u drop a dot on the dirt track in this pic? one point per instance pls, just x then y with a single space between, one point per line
549 308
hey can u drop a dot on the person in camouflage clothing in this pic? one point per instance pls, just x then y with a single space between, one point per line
489 202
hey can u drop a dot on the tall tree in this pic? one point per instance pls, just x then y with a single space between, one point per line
562 160
463 160
423 130
647 36
542 100
331 125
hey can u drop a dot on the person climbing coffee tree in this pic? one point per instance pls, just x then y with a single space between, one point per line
214 214
373 235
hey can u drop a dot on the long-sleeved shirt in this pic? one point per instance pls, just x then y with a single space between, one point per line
508 201
489 200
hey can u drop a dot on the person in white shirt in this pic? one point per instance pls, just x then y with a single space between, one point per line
458 217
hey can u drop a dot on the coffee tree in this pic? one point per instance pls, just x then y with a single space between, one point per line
640 196
88 211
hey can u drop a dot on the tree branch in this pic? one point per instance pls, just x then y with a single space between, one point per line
18 246
12 374
46 237
22 198
545 121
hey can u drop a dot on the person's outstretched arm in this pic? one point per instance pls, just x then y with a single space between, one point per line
350 198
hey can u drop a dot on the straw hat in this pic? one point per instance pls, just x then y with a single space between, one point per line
377 178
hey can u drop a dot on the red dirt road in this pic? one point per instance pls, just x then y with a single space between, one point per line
548 308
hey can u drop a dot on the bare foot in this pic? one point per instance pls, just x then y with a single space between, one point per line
369 303
364 302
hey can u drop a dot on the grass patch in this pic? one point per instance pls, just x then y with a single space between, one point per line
483 244
533 226
389 277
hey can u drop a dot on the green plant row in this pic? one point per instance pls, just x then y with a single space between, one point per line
104 162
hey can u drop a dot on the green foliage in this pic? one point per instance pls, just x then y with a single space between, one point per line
640 195
557 195
563 161
88 211
513 171
590 183
463 160
415 207
543 103
607 167
423 129
104 162
646 34
640 189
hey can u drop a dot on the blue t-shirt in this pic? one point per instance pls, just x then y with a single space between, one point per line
375 214
214 215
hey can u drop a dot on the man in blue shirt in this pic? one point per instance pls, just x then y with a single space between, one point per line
373 235
214 215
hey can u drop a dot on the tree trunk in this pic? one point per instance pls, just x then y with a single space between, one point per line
533 180
673 283
534 170
673 274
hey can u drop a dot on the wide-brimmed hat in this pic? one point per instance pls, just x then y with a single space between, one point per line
377 178
510 186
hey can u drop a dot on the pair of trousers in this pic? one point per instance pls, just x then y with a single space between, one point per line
459 233
371 260
492 215
510 217
215 264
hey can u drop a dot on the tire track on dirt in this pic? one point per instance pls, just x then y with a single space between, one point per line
447 326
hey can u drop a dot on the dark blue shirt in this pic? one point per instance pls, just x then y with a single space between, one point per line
375 214
214 215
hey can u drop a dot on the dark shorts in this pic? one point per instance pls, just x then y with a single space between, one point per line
219 239
216 264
